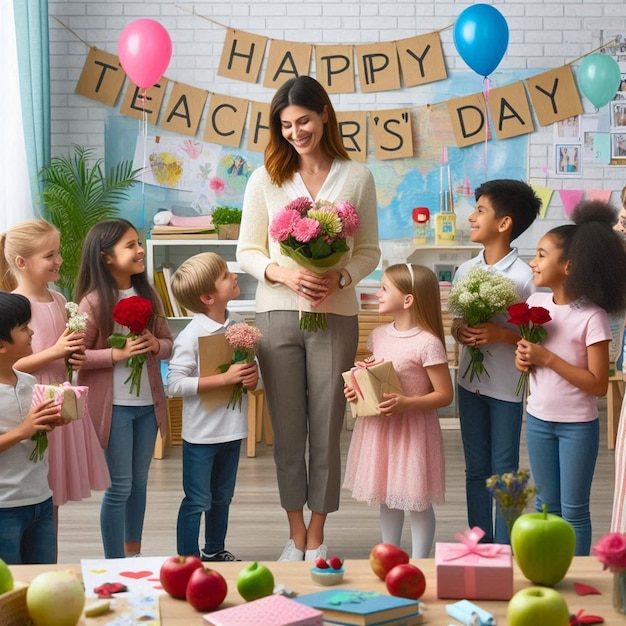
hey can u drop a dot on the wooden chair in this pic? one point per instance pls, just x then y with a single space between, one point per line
258 420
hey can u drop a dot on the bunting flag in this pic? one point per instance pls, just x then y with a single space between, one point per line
545 195
604 195
570 198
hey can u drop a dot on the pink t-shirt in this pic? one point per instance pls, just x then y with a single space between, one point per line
572 329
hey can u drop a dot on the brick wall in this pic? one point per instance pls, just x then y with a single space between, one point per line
544 34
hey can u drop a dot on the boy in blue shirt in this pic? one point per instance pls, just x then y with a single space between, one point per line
211 437
490 412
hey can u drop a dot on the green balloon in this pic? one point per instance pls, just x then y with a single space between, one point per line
599 78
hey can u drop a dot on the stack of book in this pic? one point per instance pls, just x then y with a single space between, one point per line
363 608
163 285
166 231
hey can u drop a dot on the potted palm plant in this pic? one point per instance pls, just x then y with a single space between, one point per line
78 194
226 220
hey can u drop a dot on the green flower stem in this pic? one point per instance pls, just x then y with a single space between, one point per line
41 445
313 321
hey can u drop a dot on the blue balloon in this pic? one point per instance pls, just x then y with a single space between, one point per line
481 37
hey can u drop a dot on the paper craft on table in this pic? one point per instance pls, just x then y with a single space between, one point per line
140 604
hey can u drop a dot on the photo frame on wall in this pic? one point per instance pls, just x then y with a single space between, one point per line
618 145
567 130
618 113
568 159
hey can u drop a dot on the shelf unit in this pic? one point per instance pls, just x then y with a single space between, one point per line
175 251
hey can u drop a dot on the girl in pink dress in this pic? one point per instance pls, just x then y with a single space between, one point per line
29 261
396 458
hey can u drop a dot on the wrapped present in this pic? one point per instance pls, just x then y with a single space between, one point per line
472 570
370 380
72 398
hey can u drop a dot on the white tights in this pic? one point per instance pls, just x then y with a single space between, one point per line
422 529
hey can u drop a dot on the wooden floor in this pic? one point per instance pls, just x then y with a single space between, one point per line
258 528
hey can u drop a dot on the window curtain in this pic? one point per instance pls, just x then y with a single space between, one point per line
26 122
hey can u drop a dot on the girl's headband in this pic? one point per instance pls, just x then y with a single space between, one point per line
410 268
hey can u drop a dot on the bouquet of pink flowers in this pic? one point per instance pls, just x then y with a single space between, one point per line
244 340
314 235
529 320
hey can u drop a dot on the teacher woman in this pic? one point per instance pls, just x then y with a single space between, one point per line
301 369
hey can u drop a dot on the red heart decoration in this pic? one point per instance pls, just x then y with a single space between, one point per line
136 575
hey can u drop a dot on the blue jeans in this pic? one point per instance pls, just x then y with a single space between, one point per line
209 475
128 456
490 430
27 534
562 461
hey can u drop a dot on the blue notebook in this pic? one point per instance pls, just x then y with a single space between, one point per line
362 608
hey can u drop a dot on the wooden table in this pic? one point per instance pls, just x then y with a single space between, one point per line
359 576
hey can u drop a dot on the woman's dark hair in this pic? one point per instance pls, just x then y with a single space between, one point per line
281 160
94 274
596 254
14 311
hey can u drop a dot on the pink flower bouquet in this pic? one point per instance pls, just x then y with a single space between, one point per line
244 340
314 235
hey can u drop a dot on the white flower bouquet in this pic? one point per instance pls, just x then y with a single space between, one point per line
478 297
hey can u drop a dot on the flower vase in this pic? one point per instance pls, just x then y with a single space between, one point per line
619 590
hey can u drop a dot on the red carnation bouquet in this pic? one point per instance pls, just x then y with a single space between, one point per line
529 320
244 340
134 313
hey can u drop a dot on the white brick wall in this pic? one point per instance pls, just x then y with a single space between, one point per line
544 34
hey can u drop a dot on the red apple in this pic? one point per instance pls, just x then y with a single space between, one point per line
384 557
176 572
543 545
254 582
206 589
538 606
406 581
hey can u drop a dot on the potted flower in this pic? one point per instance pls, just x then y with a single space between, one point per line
78 194
226 220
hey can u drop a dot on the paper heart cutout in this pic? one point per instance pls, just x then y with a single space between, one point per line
137 575
584 590
98 571
158 580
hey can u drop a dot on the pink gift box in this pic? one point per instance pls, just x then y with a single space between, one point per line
474 571
71 398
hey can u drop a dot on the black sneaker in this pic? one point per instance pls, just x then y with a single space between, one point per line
222 555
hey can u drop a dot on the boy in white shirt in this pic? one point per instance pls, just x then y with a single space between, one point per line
27 530
211 438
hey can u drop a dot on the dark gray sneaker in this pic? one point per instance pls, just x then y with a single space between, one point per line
222 555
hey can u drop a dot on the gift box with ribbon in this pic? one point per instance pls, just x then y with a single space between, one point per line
370 379
72 398
472 570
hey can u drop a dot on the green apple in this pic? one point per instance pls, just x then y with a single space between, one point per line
254 582
55 599
538 606
6 578
543 546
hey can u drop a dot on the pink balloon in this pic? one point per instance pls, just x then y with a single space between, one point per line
144 49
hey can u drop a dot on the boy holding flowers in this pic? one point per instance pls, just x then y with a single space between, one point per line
212 433
490 412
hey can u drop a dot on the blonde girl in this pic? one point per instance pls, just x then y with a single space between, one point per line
29 263
112 268
396 458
